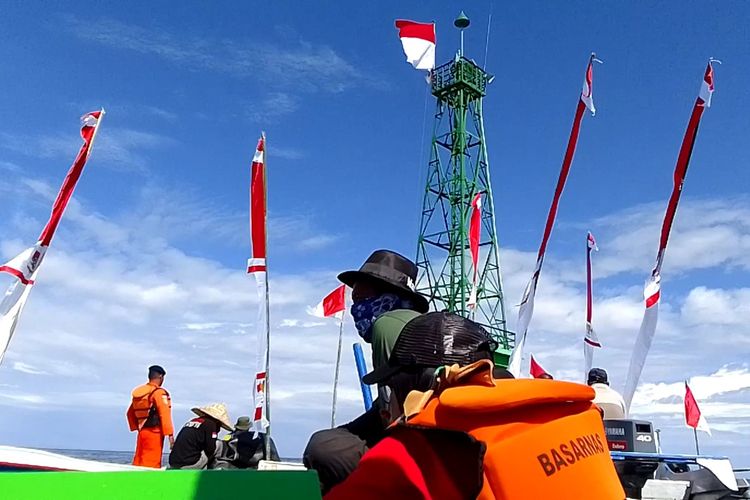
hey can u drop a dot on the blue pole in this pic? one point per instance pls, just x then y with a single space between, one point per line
359 358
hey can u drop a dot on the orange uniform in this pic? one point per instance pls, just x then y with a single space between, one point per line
150 413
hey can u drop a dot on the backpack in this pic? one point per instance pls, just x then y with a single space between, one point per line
145 410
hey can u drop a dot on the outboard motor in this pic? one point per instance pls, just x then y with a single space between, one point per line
636 456
630 435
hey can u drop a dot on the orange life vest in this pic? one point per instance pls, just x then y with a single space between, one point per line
144 407
543 438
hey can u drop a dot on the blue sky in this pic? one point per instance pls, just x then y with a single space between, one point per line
148 263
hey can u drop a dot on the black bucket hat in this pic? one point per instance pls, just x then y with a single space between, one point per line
392 270
435 339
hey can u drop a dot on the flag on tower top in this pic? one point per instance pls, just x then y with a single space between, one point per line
693 416
418 40
334 304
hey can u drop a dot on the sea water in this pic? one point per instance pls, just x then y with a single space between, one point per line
119 457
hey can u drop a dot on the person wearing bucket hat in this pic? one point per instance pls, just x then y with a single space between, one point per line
384 299
195 445
242 424
244 448
384 283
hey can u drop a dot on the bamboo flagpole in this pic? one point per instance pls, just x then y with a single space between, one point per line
333 305
697 448
652 289
338 370
694 416
590 339
257 265
25 266
526 307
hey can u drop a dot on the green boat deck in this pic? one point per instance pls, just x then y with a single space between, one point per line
160 485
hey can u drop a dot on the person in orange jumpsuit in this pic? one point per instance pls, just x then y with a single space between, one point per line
150 413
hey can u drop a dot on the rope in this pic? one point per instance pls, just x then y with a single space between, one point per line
487 42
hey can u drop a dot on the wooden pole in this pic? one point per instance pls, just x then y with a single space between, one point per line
697 449
338 369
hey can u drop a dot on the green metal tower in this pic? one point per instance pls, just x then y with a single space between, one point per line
459 169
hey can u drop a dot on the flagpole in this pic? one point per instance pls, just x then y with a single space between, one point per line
338 369
697 449
268 309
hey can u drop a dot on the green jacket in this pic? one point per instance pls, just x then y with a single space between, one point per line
385 331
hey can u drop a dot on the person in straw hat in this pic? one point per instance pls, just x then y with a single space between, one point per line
195 445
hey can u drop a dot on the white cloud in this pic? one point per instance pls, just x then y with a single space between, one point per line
724 380
706 234
299 65
202 326
118 149
9 166
290 323
287 153
299 232
27 368
118 294
271 107
705 306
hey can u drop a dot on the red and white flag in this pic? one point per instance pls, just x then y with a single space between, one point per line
693 416
536 370
25 266
418 40
587 92
590 340
334 304
652 289
707 86
475 233
260 420
526 307
256 266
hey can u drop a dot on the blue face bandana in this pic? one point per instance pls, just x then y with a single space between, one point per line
366 311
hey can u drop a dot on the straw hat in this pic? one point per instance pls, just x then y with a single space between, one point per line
217 411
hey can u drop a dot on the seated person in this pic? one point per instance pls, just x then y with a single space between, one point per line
462 433
608 399
384 300
244 448
196 443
